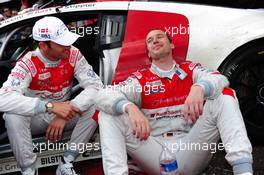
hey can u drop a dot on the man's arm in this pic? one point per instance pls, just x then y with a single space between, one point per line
113 99
88 80
213 82
208 84
12 98
125 98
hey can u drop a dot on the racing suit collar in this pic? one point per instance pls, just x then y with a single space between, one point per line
162 73
48 63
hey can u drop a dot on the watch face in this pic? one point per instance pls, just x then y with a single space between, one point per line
50 105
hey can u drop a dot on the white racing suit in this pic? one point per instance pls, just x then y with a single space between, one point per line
32 83
160 96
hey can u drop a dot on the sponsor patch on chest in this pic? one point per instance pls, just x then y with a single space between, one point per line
181 73
167 115
154 83
44 76
137 74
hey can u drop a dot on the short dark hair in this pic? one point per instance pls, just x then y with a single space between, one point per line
167 34
3 8
14 9
47 42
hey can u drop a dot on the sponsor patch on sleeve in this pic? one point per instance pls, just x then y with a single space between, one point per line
127 81
31 66
122 83
193 65
23 66
15 82
91 73
17 73
73 56
137 74
26 63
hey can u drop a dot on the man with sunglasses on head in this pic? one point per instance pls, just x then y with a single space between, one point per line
35 96
183 107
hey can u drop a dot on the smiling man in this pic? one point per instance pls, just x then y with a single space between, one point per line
34 98
181 106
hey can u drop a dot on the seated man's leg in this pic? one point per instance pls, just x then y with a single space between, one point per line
82 132
84 128
221 117
20 138
116 137
233 134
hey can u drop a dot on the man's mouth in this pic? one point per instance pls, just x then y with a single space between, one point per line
157 47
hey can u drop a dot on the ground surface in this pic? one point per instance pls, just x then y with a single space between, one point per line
218 166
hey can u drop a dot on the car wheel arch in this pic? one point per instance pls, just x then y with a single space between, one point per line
244 58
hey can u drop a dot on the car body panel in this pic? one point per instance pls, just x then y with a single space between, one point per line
133 55
215 32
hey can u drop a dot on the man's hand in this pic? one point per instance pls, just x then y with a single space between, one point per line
193 105
140 123
55 129
65 110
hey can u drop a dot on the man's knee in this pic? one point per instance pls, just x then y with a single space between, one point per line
14 120
223 103
104 118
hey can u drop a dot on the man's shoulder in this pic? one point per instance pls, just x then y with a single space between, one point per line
188 65
75 55
26 63
27 56
139 74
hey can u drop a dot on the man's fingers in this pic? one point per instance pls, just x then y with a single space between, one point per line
196 110
51 134
201 108
56 133
194 118
138 130
146 130
192 109
186 111
60 133
134 127
47 133
142 131
77 110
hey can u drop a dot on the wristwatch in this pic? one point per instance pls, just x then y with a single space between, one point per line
49 107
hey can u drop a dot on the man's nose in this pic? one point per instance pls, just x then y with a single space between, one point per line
155 40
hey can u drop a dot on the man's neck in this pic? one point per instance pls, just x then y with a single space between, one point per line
47 56
164 63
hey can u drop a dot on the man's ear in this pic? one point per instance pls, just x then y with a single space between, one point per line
172 46
43 46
